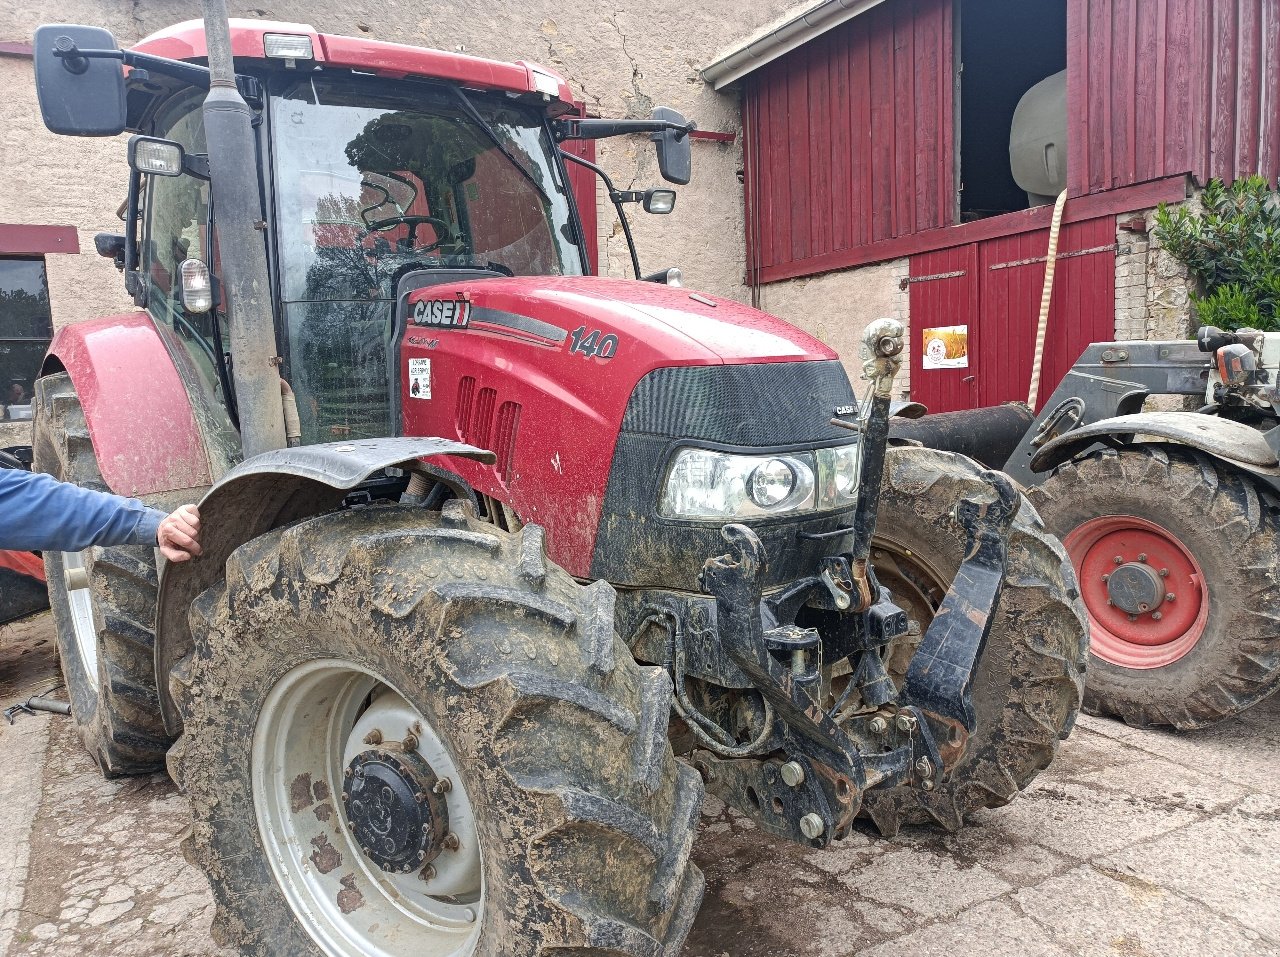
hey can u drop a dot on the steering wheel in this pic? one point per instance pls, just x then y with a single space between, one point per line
413 222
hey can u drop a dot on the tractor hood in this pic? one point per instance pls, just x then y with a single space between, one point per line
677 326
584 387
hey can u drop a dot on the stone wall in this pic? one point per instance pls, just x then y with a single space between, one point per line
1153 290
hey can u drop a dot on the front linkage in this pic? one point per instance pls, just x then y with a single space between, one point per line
907 736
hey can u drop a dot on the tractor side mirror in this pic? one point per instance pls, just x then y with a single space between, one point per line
79 80
675 150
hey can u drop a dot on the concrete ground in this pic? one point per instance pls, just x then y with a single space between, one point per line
1134 844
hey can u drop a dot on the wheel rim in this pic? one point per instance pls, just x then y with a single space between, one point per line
917 588
318 727
80 603
1146 596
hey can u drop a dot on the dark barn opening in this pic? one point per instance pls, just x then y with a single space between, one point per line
1006 47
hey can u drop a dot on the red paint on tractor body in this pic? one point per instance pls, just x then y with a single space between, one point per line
138 411
553 414
185 41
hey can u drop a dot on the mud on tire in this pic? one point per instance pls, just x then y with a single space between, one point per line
113 698
1028 688
585 820
1220 518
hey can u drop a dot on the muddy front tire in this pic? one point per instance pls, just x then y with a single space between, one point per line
1029 682
333 641
105 622
1205 545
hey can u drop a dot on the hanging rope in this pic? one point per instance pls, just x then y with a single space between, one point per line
1046 297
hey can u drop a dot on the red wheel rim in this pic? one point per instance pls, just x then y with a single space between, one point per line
1160 630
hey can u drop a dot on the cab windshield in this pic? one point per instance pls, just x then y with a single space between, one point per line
374 181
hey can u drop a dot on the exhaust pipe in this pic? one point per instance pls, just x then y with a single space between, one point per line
233 148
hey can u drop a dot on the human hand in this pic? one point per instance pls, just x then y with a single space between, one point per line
179 534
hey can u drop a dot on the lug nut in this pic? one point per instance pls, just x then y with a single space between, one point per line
812 826
906 722
1142 556
410 742
1170 596
1106 578
373 737
1164 573
927 784
792 774
1133 617
878 725
1119 560
451 842
427 873
1156 616
443 786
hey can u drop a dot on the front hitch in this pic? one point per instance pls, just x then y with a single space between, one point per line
808 784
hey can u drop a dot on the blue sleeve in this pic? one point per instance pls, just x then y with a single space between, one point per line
38 513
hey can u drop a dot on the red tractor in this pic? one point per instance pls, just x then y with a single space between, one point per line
503 563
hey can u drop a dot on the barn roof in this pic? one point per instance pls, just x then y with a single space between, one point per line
794 28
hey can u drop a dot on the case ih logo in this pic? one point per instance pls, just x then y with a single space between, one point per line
451 313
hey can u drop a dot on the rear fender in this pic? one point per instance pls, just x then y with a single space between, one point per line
268 491
1232 442
139 413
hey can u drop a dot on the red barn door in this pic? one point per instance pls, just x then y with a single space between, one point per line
991 290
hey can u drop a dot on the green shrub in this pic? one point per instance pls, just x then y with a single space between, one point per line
1232 251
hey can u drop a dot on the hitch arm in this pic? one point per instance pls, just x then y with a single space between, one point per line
940 676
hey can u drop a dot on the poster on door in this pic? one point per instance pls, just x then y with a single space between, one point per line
946 347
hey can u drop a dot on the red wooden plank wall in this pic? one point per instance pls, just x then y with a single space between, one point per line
994 288
848 140
1161 87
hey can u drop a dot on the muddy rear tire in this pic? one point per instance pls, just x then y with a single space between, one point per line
1215 650
1028 688
106 635
583 820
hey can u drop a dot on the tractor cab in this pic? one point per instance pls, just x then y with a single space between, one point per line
377 161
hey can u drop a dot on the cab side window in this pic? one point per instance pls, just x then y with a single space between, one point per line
177 228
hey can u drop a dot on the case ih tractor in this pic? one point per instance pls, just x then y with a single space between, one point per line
1170 518
503 563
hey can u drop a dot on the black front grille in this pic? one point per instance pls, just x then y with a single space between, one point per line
763 403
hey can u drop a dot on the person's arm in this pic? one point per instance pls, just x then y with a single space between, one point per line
38 513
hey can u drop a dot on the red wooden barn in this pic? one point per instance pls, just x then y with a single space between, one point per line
879 130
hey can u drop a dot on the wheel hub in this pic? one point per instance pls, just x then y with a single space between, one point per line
1135 588
396 808
1146 596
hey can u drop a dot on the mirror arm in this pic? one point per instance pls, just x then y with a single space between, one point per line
133 283
191 73
616 197
593 129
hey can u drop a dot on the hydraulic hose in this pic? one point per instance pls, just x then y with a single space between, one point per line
1046 297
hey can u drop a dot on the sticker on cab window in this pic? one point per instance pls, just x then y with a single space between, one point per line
419 378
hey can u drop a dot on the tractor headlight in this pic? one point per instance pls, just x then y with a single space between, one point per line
702 483
838 476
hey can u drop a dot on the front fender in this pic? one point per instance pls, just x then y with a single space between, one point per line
1233 442
138 411
268 491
